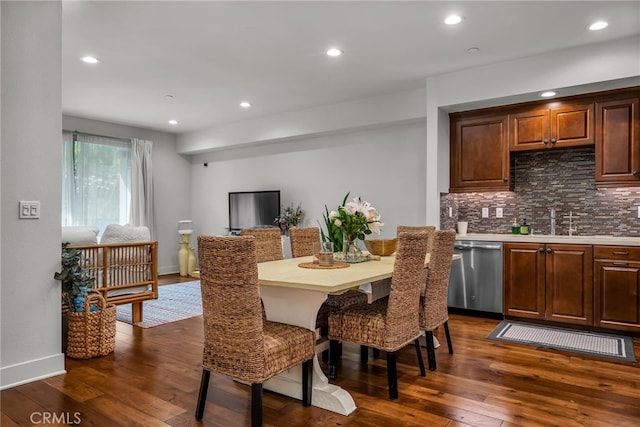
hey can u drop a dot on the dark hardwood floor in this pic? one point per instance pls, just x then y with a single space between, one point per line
153 376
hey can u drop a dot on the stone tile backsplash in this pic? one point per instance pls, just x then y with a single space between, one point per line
541 180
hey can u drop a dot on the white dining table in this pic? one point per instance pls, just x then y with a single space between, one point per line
292 294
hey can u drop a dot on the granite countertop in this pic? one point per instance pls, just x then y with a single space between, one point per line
543 238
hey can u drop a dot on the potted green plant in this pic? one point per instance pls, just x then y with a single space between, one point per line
76 284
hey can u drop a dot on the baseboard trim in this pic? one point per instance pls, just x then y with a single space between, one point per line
32 370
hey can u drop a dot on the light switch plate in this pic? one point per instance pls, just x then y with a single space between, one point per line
499 213
29 210
485 212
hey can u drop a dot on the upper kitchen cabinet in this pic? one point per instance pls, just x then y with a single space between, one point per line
479 153
618 142
552 125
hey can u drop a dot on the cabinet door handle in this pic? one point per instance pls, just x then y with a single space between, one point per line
541 250
621 264
549 250
636 173
553 141
546 141
505 179
620 253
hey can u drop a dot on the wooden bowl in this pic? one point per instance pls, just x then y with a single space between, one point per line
382 247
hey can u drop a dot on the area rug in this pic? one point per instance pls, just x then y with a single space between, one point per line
175 302
594 344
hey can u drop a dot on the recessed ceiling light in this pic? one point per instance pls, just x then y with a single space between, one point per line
334 51
599 25
90 59
473 50
168 97
173 122
453 19
245 104
548 94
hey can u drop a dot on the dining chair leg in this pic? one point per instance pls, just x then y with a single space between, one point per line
256 405
376 353
431 351
202 396
392 375
307 382
446 332
333 359
364 354
423 372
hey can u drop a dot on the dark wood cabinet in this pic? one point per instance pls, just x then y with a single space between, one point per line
551 126
618 142
524 278
617 287
549 281
479 153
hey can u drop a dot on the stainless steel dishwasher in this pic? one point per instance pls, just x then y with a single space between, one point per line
475 283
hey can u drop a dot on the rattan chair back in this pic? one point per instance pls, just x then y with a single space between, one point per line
268 243
429 229
302 240
434 312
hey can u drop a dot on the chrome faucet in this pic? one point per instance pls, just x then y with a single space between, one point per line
571 229
552 216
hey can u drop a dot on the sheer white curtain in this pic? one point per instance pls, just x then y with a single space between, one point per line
142 212
96 180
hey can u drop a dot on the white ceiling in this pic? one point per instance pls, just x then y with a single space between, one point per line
211 55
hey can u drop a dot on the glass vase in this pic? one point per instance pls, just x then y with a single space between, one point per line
350 250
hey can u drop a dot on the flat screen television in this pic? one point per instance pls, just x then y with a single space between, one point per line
253 209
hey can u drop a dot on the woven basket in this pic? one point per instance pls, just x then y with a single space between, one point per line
382 247
92 333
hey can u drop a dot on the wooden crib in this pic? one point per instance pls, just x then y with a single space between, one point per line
125 273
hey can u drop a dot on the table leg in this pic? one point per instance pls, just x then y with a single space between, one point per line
300 307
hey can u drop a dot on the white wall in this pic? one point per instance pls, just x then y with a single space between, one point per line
384 166
171 180
31 161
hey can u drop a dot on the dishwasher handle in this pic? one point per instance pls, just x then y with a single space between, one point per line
478 245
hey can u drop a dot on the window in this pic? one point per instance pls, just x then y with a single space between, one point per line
96 183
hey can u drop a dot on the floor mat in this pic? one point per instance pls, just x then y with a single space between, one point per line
595 344
175 302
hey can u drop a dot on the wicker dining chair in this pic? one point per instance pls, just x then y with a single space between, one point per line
268 247
268 243
380 289
302 240
237 341
433 302
392 325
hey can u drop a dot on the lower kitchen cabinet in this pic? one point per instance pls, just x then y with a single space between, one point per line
549 281
617 287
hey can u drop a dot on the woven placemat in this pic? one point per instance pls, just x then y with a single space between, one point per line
336 264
